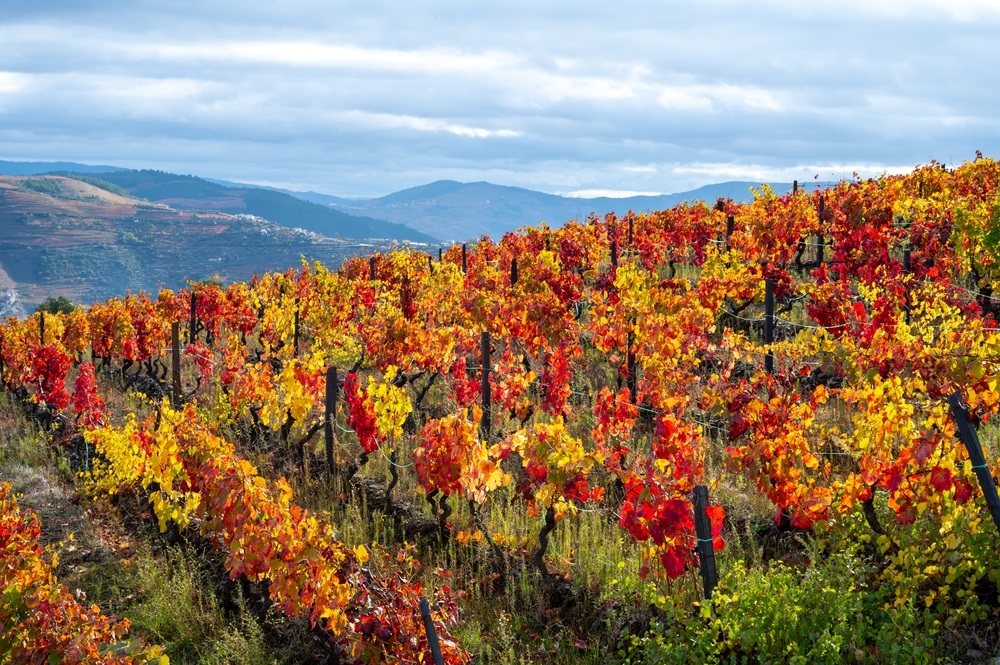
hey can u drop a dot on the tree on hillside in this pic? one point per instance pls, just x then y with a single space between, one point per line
42 186
53 305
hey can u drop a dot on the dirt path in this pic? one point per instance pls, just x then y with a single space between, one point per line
93 542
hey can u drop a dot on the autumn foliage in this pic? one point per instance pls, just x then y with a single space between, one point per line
899 314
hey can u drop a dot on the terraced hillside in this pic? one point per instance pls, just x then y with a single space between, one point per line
60 236
187 192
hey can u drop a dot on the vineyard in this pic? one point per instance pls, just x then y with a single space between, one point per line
739 432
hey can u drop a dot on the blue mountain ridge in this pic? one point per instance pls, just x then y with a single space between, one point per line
452 211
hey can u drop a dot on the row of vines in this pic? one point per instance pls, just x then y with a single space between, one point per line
653 325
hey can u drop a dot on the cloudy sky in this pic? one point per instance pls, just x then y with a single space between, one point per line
365 98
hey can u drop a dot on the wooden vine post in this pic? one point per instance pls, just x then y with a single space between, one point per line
331 413
706 549
41 326
371 268
819 240
513 271
484 423
906 293
465 258
631 368
967 433
631 380
295 331
432 638
769 324
175 361
193 319
730 227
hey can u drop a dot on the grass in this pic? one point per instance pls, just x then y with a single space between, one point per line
614 616
110 557
175 606
605 611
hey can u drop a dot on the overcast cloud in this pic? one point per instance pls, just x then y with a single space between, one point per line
362 99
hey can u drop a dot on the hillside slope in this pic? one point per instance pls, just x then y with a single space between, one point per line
62 236
192 193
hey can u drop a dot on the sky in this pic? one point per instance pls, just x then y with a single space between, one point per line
360 99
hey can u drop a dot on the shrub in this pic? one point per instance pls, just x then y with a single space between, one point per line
778 614
42 186
54 305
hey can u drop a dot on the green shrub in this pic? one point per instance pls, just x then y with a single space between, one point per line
778 614
178 609
42 186
54 305
781 616
680 634
102 184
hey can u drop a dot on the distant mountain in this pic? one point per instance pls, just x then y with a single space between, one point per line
192 193
322 199
458 211
440 211
312 197
86 239
37 168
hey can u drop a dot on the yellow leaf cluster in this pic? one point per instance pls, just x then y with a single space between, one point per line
392 404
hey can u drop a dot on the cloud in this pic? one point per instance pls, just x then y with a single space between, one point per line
640 169
964 11
11 82
380 120
803 173
364 99
312 54
696 98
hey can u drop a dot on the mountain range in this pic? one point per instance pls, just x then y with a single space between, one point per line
91 232
87 239
455 211
187 192
440 212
